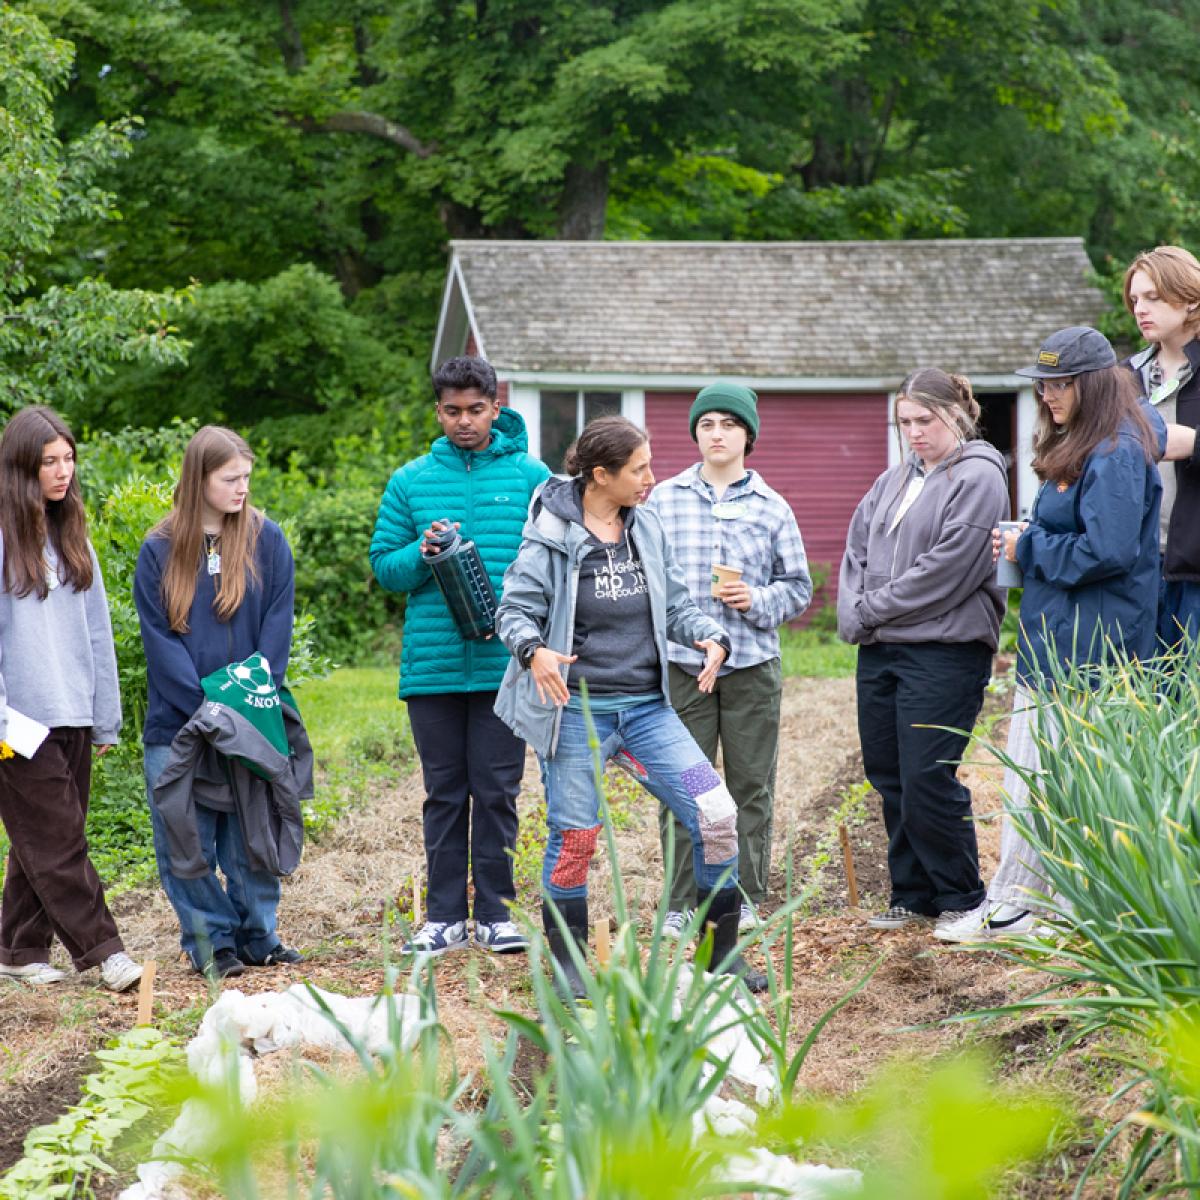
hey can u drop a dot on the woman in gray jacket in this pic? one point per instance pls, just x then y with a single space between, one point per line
916 593
593 596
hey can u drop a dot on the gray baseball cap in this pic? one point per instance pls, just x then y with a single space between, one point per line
1071 352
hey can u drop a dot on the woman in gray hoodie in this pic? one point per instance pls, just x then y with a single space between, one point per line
916 593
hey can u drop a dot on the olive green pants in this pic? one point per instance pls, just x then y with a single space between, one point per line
741 713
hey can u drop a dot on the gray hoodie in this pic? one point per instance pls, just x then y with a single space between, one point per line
57 661
538 604
928 578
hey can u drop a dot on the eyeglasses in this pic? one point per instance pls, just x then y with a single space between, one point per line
1055 387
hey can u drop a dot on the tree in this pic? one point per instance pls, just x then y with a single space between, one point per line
58 341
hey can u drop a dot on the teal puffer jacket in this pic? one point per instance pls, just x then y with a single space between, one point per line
488 491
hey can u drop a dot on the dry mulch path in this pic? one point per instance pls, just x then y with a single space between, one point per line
333 909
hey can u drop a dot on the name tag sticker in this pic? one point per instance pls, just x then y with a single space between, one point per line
1165 391
729 511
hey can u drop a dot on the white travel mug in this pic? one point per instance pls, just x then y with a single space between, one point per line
1008 574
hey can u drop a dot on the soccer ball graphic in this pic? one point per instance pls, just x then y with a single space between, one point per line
254 676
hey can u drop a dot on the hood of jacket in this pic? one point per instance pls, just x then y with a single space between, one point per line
509 436
556 514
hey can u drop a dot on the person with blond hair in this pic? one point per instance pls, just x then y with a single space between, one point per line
916 594
1162 291
214 585
57 667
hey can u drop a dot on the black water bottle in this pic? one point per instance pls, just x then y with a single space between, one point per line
464 583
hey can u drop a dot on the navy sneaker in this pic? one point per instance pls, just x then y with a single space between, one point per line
436 937
500 937
278 956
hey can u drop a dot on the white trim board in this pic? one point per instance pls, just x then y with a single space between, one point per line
614 381
456 285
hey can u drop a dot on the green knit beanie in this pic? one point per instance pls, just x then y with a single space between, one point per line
725 397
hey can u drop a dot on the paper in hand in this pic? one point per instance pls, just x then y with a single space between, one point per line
25 734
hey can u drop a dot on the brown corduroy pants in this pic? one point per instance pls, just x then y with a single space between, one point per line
51 886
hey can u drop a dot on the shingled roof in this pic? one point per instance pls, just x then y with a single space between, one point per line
763 309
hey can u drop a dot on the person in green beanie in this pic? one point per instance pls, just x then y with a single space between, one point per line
743 557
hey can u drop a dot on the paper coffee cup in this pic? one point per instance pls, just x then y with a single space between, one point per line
1008 574
721 574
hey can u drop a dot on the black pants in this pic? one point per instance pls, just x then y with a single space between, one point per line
933 857
472 764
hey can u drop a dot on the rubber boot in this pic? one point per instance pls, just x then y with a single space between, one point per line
723 914
575 914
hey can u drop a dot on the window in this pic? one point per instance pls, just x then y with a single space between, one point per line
563 416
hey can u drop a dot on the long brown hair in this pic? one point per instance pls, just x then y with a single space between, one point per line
28 520
1104 401
210 449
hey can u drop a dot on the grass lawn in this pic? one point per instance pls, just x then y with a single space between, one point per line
815 654
352 701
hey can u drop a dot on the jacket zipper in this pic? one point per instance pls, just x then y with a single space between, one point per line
559 708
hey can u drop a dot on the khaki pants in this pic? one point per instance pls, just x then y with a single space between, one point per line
741 714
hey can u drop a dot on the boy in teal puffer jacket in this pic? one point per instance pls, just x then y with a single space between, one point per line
480 477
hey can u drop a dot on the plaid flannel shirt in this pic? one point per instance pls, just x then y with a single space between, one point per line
758 533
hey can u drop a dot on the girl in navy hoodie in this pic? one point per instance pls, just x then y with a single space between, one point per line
214 585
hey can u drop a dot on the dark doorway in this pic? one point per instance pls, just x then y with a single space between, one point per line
998 424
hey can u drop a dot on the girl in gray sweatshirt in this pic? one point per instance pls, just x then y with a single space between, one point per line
58 667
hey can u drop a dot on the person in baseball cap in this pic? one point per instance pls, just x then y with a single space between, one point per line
1071 351
1089 555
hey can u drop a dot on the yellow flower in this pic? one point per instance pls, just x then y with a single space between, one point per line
6 751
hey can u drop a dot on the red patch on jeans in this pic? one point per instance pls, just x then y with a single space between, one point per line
578 848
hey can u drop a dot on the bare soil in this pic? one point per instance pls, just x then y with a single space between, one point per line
334 909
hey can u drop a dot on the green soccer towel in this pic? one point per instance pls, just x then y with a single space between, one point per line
248 689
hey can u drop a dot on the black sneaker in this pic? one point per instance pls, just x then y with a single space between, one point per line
279 956
222 964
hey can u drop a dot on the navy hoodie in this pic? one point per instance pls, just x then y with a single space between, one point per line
176 662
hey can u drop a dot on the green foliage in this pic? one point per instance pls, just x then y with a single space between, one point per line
137 1079
1112 814
58 342
941 1132
120 840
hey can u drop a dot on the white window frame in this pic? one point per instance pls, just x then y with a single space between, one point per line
525 399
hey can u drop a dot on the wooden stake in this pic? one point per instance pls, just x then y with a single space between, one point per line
146 993
848 859
416 899
603 947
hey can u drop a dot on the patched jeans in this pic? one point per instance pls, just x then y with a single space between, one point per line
239 916
678 775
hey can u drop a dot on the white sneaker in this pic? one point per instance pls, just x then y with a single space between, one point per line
436 937
748 918
985 923
118 972
675 922
960 921
35 973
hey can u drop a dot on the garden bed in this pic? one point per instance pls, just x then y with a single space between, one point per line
337 909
